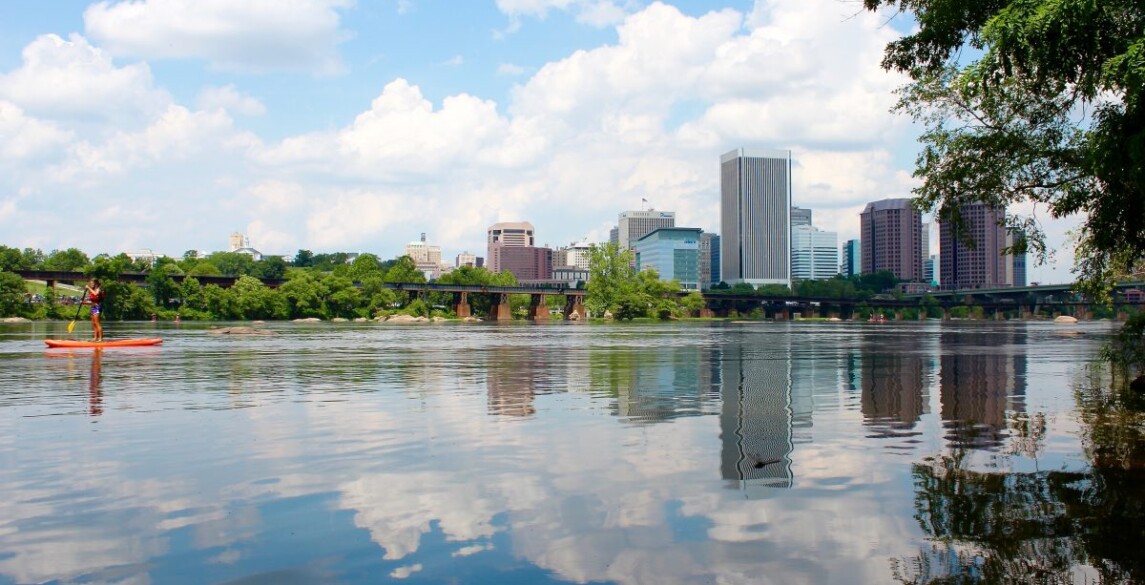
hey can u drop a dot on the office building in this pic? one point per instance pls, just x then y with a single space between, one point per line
577 254
1017 274
891 238
517 234
709 260
674 253
527 263
425 256
470 260
930 271
800 216
814 253
852 258
633 225
979 266
755 216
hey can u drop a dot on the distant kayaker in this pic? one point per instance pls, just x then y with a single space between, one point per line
95 299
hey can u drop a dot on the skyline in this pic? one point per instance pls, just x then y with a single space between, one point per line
333 125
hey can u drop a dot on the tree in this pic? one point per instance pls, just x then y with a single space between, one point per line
70 260
405 271
12 259
232 263
269 268
12 300
253 300
1051 112
303 259
610 274
161 283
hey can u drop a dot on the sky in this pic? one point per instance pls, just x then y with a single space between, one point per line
356 126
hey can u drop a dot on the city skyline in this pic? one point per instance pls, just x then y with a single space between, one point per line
309 124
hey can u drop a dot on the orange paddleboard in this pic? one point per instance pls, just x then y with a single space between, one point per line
116 343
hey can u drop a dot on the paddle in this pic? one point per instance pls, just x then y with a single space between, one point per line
72 325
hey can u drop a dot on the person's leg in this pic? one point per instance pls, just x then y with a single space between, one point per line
97 328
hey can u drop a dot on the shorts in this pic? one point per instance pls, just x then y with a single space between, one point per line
95 310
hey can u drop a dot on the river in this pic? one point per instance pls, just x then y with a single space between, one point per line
685 453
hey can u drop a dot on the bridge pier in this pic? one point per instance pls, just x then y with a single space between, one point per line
500 309
574 305
945 313
461 305
537 309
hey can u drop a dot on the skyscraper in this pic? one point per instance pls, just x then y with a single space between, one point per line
674 253
755 216
891 239
709 260
633 225
507 234
800 216
980 266
852 258
814 253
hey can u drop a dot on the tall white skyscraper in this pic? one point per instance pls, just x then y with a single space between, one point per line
755 216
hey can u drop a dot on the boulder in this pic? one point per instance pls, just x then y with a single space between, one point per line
239 331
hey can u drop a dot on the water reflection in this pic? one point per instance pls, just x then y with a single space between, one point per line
567 455
756 417
95 393
982 378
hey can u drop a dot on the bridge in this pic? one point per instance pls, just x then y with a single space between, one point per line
1023 302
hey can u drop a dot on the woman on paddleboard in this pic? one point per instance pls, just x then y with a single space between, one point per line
95 299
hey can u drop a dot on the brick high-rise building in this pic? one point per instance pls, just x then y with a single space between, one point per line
980 266
891 239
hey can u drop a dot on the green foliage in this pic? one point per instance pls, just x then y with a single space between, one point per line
610 278
125 302
366 266
251 299
162 284
1002 123
13 259
12 300
341 298
304 294
70 260
405 270
204 268
269 268
231 263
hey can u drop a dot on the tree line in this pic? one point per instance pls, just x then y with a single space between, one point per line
342 285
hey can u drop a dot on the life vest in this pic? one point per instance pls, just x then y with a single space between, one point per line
97 297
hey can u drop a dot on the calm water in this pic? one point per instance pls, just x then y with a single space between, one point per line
693 453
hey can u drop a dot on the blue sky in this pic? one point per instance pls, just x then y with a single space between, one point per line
342 125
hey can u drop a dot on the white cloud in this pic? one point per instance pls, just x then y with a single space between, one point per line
256 35
24 139
510 69
71 79
230 99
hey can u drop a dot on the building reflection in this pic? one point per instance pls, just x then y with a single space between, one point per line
756 418
657 385
512 378
893 397
982 378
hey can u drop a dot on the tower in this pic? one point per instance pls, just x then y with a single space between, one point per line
755 216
